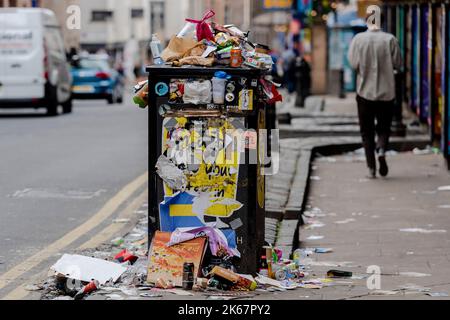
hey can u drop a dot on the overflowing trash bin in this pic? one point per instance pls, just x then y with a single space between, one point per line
200 175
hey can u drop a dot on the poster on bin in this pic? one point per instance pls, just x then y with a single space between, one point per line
205 151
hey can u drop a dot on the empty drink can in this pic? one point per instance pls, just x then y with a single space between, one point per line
188 276
236 58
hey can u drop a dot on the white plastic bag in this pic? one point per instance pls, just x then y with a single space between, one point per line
198 92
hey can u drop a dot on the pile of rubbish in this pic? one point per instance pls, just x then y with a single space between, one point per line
180 263
208 44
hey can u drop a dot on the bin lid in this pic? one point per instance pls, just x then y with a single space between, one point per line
168 70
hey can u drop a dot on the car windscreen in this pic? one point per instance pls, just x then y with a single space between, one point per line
93 64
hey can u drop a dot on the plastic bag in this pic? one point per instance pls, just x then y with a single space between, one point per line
171 174
198 92
216 238
203 28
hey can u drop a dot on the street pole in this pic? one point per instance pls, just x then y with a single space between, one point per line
398 128
342 92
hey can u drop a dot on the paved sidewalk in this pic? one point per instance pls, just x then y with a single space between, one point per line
400 224
326 122
328 115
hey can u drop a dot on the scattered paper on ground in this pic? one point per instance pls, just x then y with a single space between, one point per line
315 238
345 221
414 274
87 269
383 293
420 230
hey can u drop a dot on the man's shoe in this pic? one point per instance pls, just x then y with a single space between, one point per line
384 169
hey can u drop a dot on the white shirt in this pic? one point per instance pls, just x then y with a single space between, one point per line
375 55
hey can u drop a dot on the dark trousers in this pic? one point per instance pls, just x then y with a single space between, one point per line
375 118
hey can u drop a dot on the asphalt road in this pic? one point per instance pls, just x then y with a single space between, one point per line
56 172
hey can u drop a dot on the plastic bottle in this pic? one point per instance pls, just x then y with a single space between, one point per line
189 28
264 267
155 46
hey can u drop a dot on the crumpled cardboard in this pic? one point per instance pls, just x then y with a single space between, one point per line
195 51
177 48
195 61
193 56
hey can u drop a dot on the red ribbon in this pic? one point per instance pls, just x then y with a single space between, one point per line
208 15
203 30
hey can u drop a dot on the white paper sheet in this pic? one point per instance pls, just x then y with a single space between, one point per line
87 269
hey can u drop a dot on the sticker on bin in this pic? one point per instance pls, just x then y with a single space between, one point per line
161 89
246 100
83 89
251 140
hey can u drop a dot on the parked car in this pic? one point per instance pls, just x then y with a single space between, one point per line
94 78
34 71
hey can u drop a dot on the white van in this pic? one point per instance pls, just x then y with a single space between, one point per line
34 72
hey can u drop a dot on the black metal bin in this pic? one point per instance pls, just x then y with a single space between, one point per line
247 187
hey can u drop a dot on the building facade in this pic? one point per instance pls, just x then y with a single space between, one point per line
423 29
15 3
71 36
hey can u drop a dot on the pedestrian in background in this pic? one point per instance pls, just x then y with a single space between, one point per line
289 58
303 74
375 55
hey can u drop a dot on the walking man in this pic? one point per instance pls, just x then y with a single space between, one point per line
375 55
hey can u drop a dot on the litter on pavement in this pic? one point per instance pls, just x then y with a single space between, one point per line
421 230
87 269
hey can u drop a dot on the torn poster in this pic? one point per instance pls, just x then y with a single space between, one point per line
176 212
211 171
171 174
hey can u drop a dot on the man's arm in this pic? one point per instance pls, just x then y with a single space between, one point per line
396 54
353 56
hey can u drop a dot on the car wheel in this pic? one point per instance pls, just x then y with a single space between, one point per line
110 99
67 106
52 101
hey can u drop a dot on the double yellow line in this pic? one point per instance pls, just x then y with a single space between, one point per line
104 213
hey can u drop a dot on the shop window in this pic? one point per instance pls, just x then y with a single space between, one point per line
101 16
157 16
137 13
